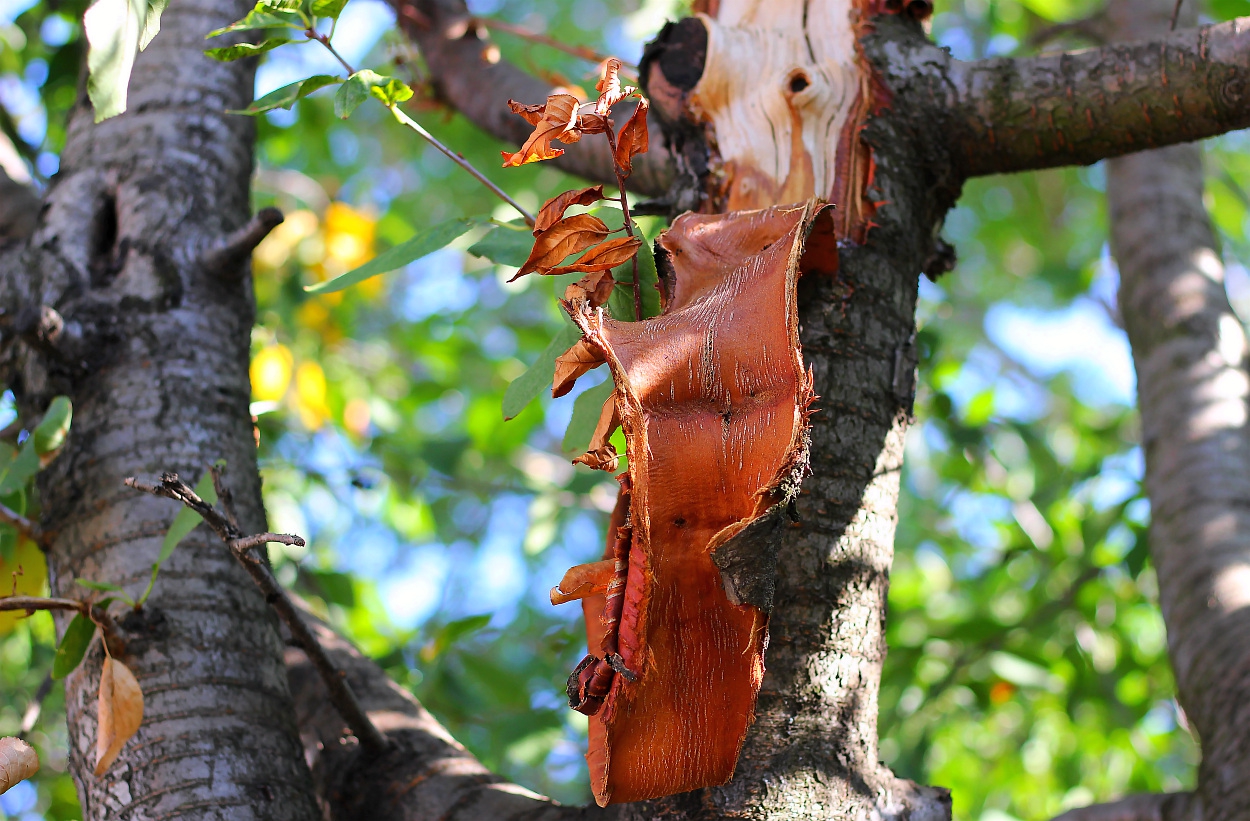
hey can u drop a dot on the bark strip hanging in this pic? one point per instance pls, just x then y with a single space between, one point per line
713 399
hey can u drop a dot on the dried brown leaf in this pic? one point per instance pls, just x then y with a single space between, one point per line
596 287
554 120
569 236
571 364
609 87
554 208
18 762
582 581
119 712
602 257
633 138
601 454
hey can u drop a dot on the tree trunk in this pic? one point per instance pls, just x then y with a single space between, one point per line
154 356
1190 354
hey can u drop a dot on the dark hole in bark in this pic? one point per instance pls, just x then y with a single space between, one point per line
104 241
799 81
681 50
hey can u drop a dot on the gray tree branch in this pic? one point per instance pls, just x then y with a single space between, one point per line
1017 114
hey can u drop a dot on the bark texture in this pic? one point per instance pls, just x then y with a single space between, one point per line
1190 353
153 352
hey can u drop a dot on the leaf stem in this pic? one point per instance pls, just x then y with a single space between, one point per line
629 222
407 121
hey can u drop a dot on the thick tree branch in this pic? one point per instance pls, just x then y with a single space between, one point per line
469 76
424 774
339 691
1080 107
1158 807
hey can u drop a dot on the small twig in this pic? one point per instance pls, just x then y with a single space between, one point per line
112 634
25 526
341 694
405 120
31 716
1176 14
629 223
230 252
534 37
225 496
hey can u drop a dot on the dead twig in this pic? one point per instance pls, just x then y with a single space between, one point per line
112 633
534 37
1176 14
227 529
233 249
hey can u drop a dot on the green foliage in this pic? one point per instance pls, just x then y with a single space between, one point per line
586 411
241 50
116 30
51 431
262 17
527 387
365 84
73 646
424 243
289 94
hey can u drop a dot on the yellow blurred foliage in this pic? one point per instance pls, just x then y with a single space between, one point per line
276 248
32 581
310 395
315 316
271 373
348 235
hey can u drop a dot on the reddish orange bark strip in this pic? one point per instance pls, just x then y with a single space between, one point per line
713 399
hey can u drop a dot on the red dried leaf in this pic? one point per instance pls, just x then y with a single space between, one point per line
571 364
633 138
554 120
569 236
554 208
582 581
602 257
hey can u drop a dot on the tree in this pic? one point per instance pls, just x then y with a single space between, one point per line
141 253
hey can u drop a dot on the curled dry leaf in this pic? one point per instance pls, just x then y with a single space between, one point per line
582 581
714 400
633 138
18 762
554 208
602 257
554 120
569 236
119 712
596 287
601 453
609 87
571 364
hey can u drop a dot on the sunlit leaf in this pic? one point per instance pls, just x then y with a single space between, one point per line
365 84
116 30
119 712
241 50
328 8
505 244
51 431
288 95
261 19
426 242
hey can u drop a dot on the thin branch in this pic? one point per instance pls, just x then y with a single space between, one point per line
1006 114
229 253
583 52
341 695
407 121
1176 13
629 227
25 526
112 633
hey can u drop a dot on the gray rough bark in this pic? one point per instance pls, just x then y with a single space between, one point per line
1190 353
153 352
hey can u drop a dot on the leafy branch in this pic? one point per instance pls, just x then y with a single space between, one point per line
359 86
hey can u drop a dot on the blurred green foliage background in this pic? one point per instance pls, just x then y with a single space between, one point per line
1027 667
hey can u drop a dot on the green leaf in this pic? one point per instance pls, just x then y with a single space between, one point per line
328 8
586 412
183 524
242 50
51 431
103 587
505 244
452 632
73 646
523 390
621 303
287 96
114 29
151 22
426 242
260 19
21 469
363 84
